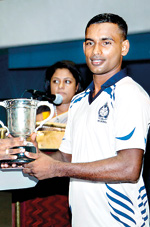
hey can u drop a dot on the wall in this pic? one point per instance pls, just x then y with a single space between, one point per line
25 22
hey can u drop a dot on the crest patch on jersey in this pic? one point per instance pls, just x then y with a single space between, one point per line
103 113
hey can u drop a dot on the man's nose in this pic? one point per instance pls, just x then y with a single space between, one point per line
97 50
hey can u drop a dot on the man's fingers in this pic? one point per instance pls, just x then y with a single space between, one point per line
5 155
9 166
15 151
4 165
31 155
9 153
33 136
33 139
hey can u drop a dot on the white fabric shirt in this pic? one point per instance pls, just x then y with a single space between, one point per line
117 118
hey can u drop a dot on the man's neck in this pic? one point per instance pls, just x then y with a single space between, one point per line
99 80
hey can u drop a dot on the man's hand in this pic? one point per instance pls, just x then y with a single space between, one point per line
42 168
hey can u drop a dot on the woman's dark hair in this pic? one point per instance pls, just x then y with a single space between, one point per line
111 18
71 66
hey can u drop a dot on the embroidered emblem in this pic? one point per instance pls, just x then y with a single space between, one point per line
103 113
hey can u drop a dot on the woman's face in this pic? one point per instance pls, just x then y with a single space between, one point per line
63 83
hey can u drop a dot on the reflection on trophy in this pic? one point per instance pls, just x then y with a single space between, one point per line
21 121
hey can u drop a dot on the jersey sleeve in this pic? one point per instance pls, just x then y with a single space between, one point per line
132 118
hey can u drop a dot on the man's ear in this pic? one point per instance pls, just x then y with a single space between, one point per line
125 47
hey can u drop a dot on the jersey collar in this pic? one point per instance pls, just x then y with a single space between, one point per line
111 81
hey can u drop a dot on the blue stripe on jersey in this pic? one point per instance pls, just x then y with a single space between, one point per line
114 79
127 137
123 214
142 189
106 86
78 97
110 92
119 194
145 219
115 217
120 203
121 200
142 202
124 202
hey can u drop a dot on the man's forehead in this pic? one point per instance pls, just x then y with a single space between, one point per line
102 26
102 30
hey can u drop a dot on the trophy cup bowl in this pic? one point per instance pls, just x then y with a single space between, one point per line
21 121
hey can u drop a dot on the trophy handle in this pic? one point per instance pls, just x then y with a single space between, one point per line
2 104
1 123
51 106
3 126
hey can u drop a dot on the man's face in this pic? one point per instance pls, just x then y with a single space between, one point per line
104 48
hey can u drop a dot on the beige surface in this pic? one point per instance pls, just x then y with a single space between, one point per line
50 135
51 124
49 139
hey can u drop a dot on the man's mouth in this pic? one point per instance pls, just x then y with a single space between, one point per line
97 62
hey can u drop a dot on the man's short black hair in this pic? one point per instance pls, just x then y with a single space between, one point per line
111 18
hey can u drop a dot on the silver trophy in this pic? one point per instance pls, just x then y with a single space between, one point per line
21 121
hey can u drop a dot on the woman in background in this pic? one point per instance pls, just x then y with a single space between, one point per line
61 78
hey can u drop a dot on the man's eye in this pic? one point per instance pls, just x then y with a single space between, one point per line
106 43
89 43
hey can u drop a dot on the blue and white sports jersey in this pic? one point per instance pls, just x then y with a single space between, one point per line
117 118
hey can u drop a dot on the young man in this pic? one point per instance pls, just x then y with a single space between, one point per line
103 147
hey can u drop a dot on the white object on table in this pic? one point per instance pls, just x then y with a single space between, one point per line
16 179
